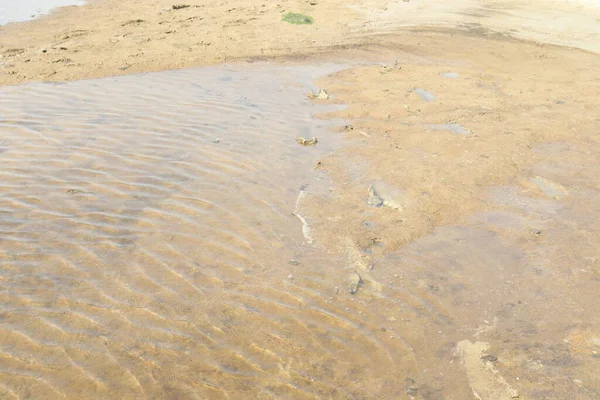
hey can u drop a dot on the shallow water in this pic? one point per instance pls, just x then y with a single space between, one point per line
147 229
454 128
155 243
424 94
23 10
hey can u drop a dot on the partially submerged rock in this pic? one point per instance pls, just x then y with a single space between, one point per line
381 196
485 380
307 142
354 282
321 94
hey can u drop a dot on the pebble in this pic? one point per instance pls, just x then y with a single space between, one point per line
489 358
291 277
412 390
381 195
307 142
354 282
321 94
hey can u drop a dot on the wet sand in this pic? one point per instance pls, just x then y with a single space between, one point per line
440 241
480 247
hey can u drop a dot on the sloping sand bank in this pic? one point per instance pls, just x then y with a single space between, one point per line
111 37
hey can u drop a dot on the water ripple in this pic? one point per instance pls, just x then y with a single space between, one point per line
146 223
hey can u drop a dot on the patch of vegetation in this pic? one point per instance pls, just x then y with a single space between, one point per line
297 19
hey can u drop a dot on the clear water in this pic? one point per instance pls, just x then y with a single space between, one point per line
23 10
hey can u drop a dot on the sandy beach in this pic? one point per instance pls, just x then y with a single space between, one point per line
180 234
109 37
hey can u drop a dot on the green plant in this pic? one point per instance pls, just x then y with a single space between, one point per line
297 18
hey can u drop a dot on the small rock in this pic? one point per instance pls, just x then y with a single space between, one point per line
321 94
489 358
216 141
354 282
380 195
412 390
411 387
294 262
337 290
180 6
374 199
307 142
291 277
44 51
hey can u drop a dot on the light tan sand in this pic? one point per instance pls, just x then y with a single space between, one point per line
111 37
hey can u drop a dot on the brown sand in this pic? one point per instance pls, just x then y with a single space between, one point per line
478 222
507 101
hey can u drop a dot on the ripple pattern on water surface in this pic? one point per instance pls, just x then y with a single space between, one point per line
146 224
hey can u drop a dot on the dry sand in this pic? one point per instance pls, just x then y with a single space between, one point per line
113 37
